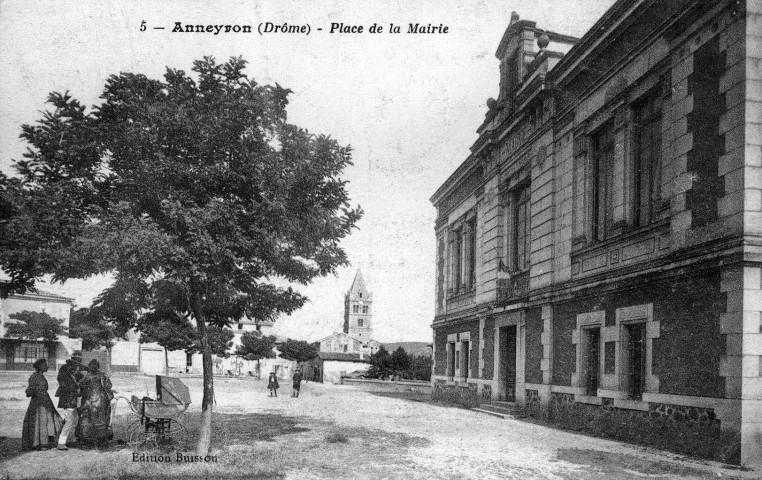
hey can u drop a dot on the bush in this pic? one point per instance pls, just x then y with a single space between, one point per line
337 437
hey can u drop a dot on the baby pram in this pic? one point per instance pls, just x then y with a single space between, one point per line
161 421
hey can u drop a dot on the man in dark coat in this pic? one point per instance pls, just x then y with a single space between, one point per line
68 395
297 383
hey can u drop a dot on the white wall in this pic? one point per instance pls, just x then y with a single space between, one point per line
332 369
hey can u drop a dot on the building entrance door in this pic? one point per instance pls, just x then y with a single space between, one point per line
593 360
509 362
636 360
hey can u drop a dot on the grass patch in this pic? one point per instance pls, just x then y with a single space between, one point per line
336 437
662 432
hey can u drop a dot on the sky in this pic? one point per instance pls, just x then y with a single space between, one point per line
408 104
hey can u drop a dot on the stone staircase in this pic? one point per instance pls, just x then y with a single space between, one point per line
498 409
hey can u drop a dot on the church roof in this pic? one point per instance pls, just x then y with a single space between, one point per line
337 334
345 357
358 287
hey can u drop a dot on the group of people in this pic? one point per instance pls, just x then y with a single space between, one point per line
84 396
273 386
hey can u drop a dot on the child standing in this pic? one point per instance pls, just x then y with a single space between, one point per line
272 385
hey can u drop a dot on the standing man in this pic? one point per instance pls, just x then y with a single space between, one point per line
68 394
297 383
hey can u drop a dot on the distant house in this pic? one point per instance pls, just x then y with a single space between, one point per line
345 343
331 366
16 354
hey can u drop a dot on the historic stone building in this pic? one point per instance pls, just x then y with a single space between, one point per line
602 242
358 328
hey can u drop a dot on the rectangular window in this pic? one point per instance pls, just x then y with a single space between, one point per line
29 352
521 233
451 360
458 260
471 254
593 360
365 309
464 351
636 360
647 116
355 309
359 322
602 163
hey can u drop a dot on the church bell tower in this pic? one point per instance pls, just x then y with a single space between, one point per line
357 309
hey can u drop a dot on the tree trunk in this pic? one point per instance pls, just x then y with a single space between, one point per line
166 361
205 429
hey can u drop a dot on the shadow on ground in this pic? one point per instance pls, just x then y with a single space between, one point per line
226 429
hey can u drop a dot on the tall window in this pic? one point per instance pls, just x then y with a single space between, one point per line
359 322
521 236
365 309
593 360
458 259
465 352
636 360
647 159
471 253
603 160
451 359
355 309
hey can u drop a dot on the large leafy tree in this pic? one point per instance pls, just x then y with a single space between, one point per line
297 350
193 191
399 361
255 346
380 363
30 325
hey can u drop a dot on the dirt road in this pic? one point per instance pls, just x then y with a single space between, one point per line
344 432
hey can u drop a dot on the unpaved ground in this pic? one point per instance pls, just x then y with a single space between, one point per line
344 432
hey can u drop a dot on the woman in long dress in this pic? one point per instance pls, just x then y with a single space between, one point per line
95 415
42 423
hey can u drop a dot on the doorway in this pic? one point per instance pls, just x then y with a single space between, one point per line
593 361
636 365
508 361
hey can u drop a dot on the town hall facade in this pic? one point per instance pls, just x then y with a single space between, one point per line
602 242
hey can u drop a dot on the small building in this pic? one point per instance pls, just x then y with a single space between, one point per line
331 366
17 354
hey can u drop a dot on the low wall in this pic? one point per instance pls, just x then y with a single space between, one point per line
385 386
